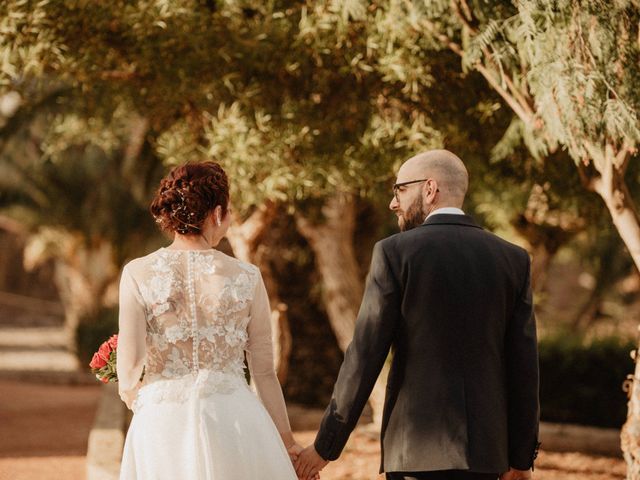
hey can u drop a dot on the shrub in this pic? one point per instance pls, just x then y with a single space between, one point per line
582 382
91 332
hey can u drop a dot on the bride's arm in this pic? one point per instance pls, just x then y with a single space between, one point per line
261 364
131 338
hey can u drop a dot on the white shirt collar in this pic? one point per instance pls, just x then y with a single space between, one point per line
447 210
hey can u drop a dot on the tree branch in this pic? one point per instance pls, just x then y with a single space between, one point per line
467 11
525 114
118 75
262 216
27 112
522 113
446 41
522 98
10 225
252 229
621 159
137 133
463 12
587 181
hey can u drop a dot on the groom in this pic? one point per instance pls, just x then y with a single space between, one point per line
453 303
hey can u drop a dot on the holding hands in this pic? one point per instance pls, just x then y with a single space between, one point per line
307 462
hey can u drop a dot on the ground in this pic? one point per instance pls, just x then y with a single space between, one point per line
361 459
45 428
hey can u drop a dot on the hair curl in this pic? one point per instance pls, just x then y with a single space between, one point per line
187 195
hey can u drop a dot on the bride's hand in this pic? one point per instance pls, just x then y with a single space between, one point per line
294 450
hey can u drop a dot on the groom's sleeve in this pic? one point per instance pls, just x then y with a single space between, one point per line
364 358
521 349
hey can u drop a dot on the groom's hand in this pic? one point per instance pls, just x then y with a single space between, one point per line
309 463
514 474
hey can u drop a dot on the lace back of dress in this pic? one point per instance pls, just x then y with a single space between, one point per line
197 313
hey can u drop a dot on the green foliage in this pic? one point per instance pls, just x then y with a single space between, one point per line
83 191
294 100
583 70
570 69
299 100
91 332
582 382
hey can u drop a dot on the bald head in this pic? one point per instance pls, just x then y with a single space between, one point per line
445 168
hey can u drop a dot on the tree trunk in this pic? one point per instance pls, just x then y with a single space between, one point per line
245 240
544 242
76 298
83 281
84 271
540 262
332 244
612 188
630 435
626 220
588 313
609 271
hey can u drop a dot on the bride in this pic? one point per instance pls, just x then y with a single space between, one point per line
188 316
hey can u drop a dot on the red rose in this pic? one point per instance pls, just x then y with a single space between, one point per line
105 351
97 361
104 380
113 342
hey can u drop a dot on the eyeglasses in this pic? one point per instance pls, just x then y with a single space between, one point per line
398 186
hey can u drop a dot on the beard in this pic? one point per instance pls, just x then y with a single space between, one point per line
413 216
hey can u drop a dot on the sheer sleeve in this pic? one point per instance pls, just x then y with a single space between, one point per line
131 349
260 359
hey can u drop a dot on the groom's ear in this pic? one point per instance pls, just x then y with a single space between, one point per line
430 188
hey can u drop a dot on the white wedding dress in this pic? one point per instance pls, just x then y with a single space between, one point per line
189 317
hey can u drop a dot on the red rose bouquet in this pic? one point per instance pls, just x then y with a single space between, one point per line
103 363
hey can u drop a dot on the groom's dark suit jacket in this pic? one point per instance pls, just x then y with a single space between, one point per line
454 303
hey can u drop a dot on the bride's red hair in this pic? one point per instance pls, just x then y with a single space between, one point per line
188 194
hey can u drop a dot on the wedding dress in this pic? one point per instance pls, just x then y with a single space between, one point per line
188 318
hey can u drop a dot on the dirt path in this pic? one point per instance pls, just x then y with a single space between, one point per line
361 459
44 429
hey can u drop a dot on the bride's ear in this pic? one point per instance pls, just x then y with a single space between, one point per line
217 215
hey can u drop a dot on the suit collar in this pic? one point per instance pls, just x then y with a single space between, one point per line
451 219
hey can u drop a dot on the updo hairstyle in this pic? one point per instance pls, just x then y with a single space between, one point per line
187 195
